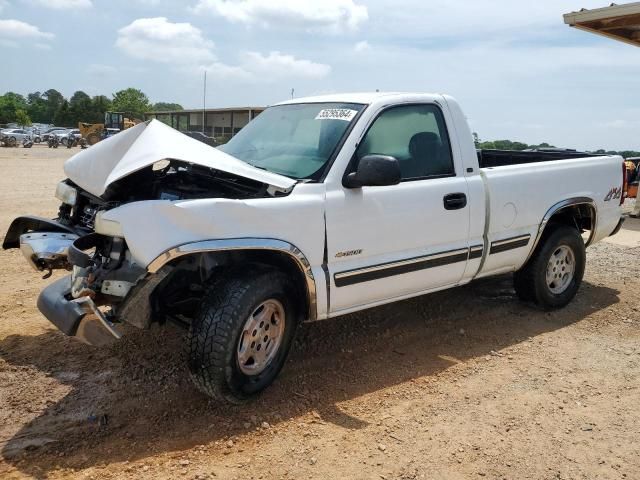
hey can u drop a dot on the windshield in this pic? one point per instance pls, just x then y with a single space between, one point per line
295 140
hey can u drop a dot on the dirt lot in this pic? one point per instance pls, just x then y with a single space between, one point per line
467 383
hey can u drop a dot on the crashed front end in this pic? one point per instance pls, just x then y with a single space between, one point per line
92 301
107 286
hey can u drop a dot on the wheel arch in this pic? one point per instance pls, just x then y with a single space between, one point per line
277 253
576 211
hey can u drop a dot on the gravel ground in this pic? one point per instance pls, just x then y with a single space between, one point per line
467 383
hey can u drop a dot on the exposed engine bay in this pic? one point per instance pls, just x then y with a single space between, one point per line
164 180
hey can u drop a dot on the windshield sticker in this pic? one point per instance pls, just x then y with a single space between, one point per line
345 114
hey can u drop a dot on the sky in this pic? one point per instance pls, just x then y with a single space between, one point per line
517 70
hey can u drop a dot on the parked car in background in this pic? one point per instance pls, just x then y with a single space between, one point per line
35 134
59 132
64 138
13 136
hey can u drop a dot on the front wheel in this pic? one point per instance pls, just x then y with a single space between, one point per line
552 276
239 341
93 138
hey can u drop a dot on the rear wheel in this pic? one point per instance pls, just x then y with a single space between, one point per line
552 276
240 339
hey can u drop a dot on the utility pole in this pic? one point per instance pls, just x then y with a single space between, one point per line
204 101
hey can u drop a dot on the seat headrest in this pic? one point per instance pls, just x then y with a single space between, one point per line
424 142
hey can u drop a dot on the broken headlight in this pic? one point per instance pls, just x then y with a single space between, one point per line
66 193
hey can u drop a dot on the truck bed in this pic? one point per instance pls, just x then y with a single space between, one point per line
500 158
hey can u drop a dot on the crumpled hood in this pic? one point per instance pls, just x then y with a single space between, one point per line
95 168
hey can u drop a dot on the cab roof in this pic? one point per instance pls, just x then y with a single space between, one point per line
365 98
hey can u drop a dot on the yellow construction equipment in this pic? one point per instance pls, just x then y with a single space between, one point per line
114 122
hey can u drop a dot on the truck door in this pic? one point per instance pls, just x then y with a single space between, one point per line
390 242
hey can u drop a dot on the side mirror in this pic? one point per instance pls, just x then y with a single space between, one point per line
374 171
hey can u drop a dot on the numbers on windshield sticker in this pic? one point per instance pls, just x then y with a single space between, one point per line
345 114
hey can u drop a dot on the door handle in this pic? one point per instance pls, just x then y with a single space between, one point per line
454 201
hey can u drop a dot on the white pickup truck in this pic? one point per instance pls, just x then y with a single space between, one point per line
319 207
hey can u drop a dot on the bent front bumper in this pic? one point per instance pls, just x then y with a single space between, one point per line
103 278
79 317
43 242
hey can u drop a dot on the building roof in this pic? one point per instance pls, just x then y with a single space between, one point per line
620 22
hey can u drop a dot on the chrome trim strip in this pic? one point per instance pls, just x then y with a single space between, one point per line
400 263
476 252
499 243
569 202
507 244
245 244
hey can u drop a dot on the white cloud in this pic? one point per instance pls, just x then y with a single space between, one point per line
162 41
279 65
63 4
361 46
15 29
182 44
255 67
327 15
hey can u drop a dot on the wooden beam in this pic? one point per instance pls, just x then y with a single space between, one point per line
616 22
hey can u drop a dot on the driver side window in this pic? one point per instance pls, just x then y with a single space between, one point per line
414 134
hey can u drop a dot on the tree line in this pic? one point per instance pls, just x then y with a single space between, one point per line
51 107
511 145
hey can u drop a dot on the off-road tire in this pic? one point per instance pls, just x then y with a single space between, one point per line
215 332
93 138
530 282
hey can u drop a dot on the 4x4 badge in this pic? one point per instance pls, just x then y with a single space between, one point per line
615 192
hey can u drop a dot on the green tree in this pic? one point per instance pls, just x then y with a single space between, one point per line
53 100
167 107
10 102
99 105
63 116
80 107
131 101
37 108
629 153
22 118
